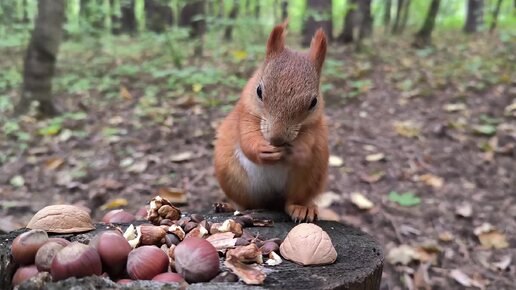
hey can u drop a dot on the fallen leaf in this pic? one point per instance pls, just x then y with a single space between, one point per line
373 177
454 107
197 87
336 161
422 278
404 199
493 239
53 163
403 254
446 236
17 181
483 228
239 55
375 157
407 128
138 167
326 199
110 184
432 180
510 110
486 129
464 210
126 162
174 195
504 263
327 214
114 203
463 279
181 157
360 201
125 94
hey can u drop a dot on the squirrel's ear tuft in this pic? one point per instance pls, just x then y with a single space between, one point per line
318 49
276 42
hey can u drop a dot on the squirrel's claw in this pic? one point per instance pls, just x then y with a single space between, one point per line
301 213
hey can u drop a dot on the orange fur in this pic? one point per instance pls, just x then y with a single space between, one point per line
273 153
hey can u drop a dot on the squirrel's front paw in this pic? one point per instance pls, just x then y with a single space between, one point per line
302 213
269 154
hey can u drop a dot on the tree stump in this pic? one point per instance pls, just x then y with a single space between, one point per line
358 266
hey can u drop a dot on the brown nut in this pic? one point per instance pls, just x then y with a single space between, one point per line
225 277
160 208
61 219
246 254
171 239
197 217
178 231
23 274
26 245
196 260
146 262
113 250
228 225
308 244
152 235
250 274
199 232
189 226
242 242
222 241
245 220
118 216
76 260
268 247
46 254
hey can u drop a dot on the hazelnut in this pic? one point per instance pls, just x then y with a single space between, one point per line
118 216
62 219
141 214
171 239
308 244
225 277
146 262
268 247
189 226
169 277
113 250
152 235
166 222
197 217
76 260
26 245
196 260
244 220
199 232
23 274
242 242
46 254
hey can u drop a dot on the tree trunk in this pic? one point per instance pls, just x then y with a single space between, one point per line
423 37
404 16
192 15
349 22
284 10
228 32
125 21
387 13
473 16
158 15
322 9
366 23
40 59
257 9
395 26
494 19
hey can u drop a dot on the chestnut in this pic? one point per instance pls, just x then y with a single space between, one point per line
113 250
268 247
146 262
124 281
141 214
169 277
197 217
76 260
26 245
118 216
171 239
196 260
46 254
24 273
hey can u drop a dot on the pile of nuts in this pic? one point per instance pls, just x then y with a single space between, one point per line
169 248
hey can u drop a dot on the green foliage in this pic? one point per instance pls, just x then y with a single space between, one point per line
404 199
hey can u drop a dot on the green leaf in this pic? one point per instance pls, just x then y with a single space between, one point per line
486 129
17 181
50 130
404 199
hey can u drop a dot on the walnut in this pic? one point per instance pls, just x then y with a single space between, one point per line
61 219
160 209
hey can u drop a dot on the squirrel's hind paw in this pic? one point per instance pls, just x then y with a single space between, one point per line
302 213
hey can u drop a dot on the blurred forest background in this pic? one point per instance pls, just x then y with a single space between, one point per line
105 103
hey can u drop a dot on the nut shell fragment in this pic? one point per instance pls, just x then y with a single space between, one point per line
250 274
308 244
246 254
61 219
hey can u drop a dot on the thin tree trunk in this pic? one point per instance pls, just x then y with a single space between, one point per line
158 15
473 16
366 23
40 59
349 22
257 9
193 16
494 20
404 16
395 26
423 37
322 8
228 32
125 21
387 13
284 9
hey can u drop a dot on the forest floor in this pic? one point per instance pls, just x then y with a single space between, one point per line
426 136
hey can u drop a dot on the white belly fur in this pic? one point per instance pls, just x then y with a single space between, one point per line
264 180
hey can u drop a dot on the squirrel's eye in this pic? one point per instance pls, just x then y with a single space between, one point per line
313 103
259 92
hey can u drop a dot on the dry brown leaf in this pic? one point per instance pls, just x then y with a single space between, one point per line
375 157
138 167
422 278
503 264
464 210
407 128
326 199
125 94
403 254
327 214
446 236
53 163
432 180
493 239
174 195
463 279
110 184
372 178
360 201
182 157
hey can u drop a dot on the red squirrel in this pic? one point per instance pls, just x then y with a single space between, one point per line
271 151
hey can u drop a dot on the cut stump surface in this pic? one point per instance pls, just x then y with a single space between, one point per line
358 267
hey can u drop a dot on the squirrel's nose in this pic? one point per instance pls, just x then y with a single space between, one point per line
278 141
